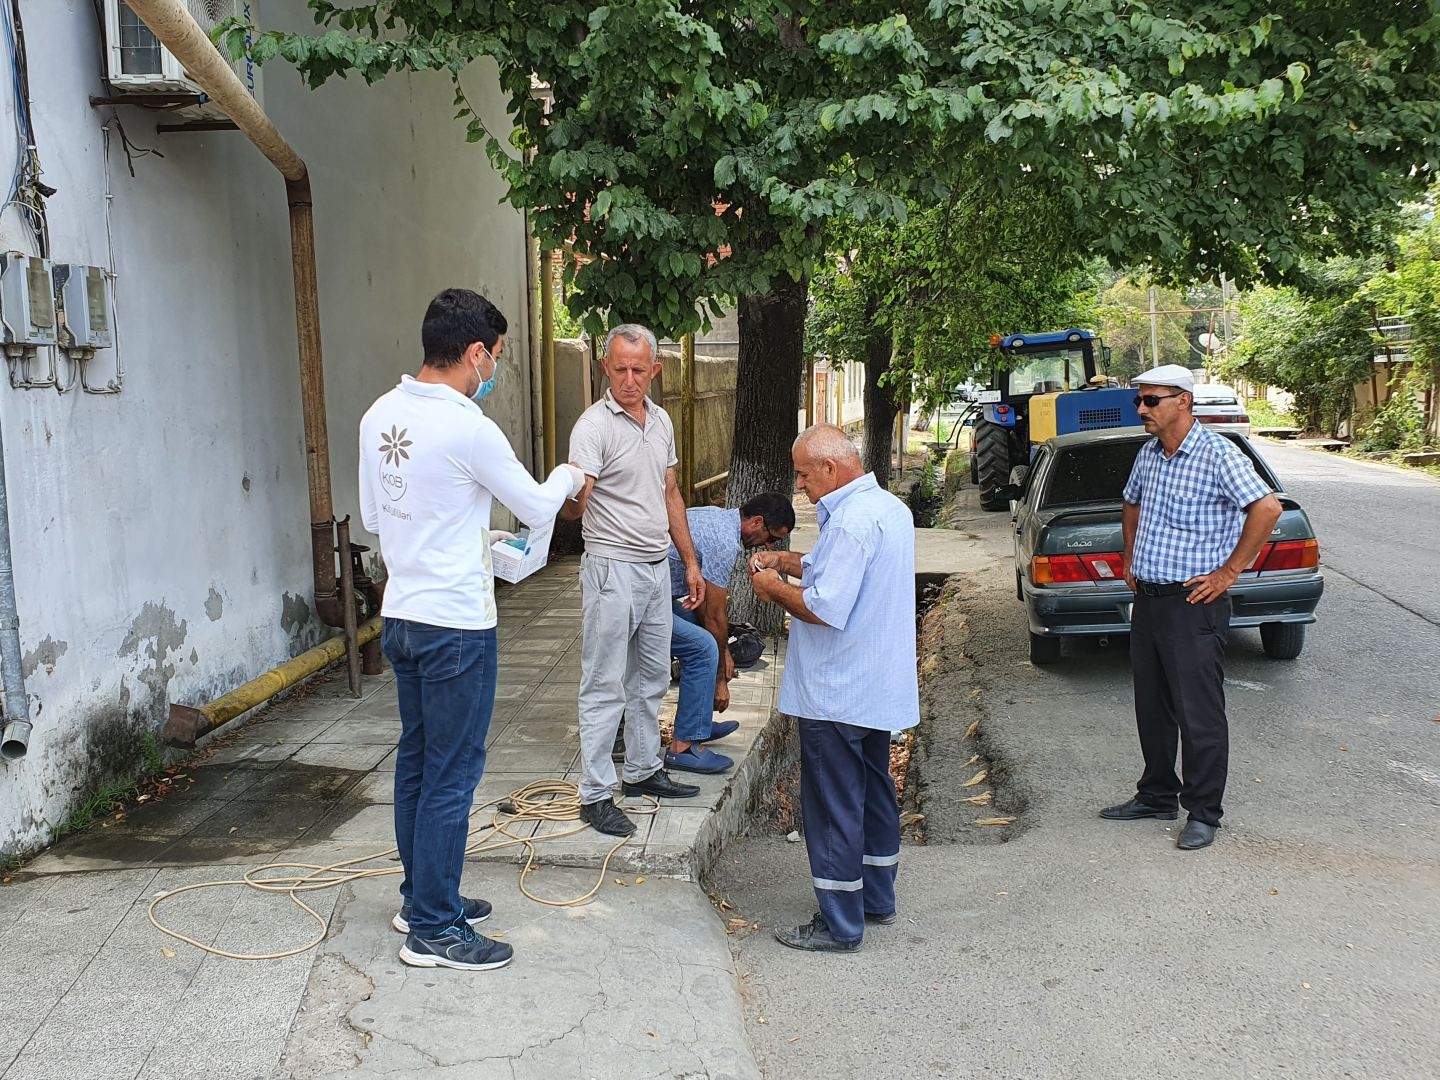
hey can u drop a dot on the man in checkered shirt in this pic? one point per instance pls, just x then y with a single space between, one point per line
1195 516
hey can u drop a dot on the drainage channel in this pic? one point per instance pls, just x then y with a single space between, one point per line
956 790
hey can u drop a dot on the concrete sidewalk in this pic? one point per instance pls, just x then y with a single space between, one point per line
638 983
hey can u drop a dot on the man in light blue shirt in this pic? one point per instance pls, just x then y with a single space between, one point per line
849 680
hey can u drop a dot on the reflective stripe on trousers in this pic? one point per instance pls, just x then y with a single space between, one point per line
852 822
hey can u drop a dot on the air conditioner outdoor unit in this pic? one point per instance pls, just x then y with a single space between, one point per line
136 62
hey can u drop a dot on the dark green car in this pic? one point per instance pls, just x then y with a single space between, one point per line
1069 544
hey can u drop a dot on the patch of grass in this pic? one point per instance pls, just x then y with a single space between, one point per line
153 755
113 798
1265 415
108 800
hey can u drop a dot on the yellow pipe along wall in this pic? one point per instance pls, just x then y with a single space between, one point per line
185 724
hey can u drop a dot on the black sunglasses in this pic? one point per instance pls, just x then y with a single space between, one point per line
1151 400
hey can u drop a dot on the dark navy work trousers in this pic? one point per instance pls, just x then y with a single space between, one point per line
852 822
1177 657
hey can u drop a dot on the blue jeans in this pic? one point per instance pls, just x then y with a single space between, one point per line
699 657
445 681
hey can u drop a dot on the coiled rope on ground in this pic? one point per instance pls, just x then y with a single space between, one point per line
541 800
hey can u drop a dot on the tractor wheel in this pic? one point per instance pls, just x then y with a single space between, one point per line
992 464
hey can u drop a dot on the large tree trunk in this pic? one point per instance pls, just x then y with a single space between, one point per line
880 408
767 403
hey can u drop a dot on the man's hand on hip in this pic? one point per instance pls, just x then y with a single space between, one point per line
1207 588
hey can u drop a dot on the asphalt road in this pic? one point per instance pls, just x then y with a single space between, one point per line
1304 943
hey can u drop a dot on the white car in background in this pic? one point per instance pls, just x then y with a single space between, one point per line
1219 407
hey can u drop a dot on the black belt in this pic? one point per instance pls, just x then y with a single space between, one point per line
1161 588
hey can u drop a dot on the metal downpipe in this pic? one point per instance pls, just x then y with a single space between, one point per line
547 358
177 30
16 738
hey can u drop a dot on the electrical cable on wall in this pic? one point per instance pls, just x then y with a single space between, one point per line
26 192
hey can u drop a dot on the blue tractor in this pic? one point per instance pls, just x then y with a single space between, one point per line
1046 385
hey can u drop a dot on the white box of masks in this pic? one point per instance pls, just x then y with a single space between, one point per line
514 560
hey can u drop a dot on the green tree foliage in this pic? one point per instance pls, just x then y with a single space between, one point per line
694 152
1409 287
916 301
1125 328
1316 342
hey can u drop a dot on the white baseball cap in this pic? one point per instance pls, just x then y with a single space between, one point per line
1166 375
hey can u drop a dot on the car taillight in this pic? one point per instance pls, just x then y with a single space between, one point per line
1290 555
1104 567
1243 418
1068 569
1057 569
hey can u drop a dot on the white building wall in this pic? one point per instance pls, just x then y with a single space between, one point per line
161 535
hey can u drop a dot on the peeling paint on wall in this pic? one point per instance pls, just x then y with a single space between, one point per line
156 630
214 605
294 614
43 655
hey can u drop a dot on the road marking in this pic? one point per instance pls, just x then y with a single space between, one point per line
1244 685
1417 771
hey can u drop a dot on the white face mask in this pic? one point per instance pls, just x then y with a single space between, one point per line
486 385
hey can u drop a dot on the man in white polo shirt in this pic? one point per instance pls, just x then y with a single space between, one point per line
631 510
431 464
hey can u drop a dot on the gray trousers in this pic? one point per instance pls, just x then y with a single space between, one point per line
624 659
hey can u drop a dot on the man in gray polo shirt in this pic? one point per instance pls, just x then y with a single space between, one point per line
631 510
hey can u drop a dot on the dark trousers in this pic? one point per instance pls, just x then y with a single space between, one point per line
852 823
1177 655
445 682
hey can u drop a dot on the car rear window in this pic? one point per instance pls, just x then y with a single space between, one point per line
1084 474
1215 400
1097 473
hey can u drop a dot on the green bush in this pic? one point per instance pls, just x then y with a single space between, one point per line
1265 415
1399 424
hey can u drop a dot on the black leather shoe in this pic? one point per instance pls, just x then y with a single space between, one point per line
661 786
606 817
1195 835
814 936
883 920
1134 810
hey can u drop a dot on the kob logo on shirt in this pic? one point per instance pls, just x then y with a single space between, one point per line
393 451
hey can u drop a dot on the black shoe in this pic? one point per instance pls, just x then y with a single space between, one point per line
814 936
883 920
1195 835
661 786
456 947
1134 810
606 817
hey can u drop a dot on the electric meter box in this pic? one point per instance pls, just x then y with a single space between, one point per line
85 295
27 300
